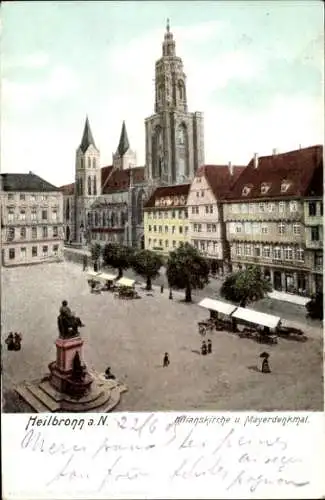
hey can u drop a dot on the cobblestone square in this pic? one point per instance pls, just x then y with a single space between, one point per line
132 337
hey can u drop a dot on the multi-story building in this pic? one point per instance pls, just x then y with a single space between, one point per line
174 136
32 220
207 230
265 215
105 203
166 222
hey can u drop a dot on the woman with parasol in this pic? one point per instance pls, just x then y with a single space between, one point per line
265 364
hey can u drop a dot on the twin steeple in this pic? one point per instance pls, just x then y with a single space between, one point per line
87 137
123 145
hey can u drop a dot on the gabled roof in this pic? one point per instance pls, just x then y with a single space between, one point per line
220 178
124 144
67 189
300 169
87 137
26 182
165 191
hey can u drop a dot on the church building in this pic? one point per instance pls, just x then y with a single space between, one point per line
174 136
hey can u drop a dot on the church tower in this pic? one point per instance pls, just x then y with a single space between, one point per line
174 137
124 157
87 182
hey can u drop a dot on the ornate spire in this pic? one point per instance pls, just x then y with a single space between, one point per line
87 137
123 145
169 43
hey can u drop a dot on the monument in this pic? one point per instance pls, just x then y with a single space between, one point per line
70 386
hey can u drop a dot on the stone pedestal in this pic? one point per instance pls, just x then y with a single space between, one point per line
61 370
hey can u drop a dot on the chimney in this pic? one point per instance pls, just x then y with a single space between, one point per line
274 151
255 160
231 168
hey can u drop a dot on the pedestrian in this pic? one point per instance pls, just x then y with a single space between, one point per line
95 267
108 374
85 262
161 288
265 365
170 294
17 341
203 348
209 346
10 342
166 360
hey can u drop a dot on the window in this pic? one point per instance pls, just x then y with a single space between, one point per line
11 215
296 229
238 228
173 214
285 186
174 244
166 229
22 197
246 190
160 229
293 206
262 207
248 250
281 228
11 253
266 252
202 194
247 227
312 208
209 226
154 229
149 229
166 215
206 209
194 227
321 208
256 227
22 215
186 229
22 233
214 228
160 243
202 246
282 206
166 243
252 208
44 231
44 214
180 230
34 251
34 214
54 215
180 214
186 213
11 196
34 232
149 242
257 252
238 250
199 227
55 232
197 194
265 187
288 253
264 229
271 207
11 233
300 254
277 253
32 197
173 229
44 197
315 233
45 250
195 210
94 162
23 253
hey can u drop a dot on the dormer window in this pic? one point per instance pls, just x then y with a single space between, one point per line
265 188
285 186
246 190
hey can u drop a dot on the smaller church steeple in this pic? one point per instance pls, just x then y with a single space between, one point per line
123 145
168 43
87 137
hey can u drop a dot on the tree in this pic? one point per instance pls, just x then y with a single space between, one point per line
245 286
187 269
147 264
95 251
118 256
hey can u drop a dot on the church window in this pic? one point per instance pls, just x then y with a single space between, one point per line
95 186
94 162
181 91
81 187
89 163
81 163
89 185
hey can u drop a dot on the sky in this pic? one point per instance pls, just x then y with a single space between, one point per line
255 69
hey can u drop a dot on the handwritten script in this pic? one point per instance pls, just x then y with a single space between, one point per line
134 450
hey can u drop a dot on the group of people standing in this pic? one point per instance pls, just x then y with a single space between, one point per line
206 347
13 341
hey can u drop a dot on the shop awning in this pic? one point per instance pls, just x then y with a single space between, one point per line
92 274
256 317
217 305
125 282
106 277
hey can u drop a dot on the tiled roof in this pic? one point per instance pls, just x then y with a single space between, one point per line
67 189
299 169
220 178
26 182
165 191
119 180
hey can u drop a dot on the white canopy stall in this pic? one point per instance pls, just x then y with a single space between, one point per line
106 277
256 317
92 275
127 282
217 306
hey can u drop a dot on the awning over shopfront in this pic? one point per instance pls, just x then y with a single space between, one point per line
218 306
92 275
125 282
256 317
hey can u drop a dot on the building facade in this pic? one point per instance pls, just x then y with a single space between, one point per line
105 203
207 230
166 223
268 222
32 220
174 136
